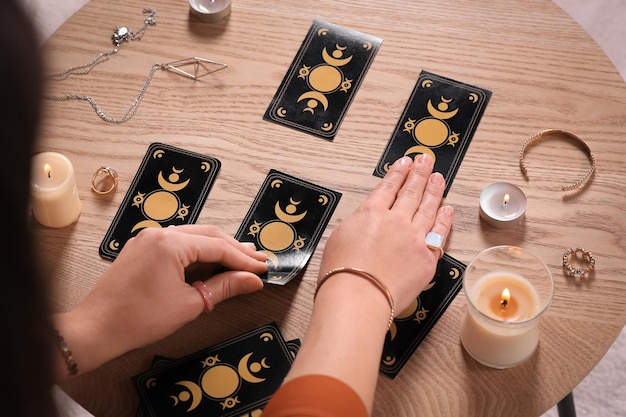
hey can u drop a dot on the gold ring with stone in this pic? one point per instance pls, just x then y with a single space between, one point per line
110 177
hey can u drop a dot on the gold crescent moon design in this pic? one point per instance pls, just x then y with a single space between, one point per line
175 398
143 224
322 31
244 370
264 363
315 95
454 273
367 46
408 312
429 286
288 218
473 97
114 245
427 83
271 256
196 393
177 171
205 166
276 183
441 115
158 153
169 186
294 202
446 101
267 336
151 382
386 166
389 360
327 126
393 330
420 149
323 199
281 112
334 61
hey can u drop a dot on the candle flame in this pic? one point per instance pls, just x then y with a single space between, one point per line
506 298
505 200
48 170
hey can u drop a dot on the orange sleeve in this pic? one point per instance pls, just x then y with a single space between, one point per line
315 396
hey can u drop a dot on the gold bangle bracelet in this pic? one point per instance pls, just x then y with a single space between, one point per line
378 283
534 138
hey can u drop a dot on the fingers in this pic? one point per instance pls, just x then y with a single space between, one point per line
409 197
387 189
442 225
232 283
206 230
227 285
430 202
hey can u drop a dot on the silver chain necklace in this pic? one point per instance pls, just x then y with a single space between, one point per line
122 34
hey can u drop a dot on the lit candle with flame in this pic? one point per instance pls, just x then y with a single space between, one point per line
502 205
505 300
500 328
54 198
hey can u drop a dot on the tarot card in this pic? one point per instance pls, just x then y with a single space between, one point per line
323 79
169 188
234 378
439 119
412 325
286 221
292 345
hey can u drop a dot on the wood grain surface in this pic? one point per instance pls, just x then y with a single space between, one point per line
544 72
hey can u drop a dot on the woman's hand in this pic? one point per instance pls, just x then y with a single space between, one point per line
143 296
385 236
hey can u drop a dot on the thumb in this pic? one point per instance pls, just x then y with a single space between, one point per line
229 284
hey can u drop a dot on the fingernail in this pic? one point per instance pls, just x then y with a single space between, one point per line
448 211
436 179
424 158
249 245
405 160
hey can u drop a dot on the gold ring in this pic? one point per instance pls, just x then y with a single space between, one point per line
584 257
111 176
534 138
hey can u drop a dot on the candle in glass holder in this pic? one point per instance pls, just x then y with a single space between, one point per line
502 205
507 289
54 198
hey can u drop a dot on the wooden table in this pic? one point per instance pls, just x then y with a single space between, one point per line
544 71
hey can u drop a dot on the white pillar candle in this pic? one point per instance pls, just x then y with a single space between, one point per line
502 205
507 290
54 198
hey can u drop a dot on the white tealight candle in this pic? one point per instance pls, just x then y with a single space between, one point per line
502 205
500 327
210 11
54 198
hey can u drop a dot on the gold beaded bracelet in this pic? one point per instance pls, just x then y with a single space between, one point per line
378 283
534 138
68 356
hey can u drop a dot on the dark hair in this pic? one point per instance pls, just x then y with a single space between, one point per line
27 345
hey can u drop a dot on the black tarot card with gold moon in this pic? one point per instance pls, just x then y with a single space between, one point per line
440 119
292 345
169 189
286 221
323 79
233 378
411 326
